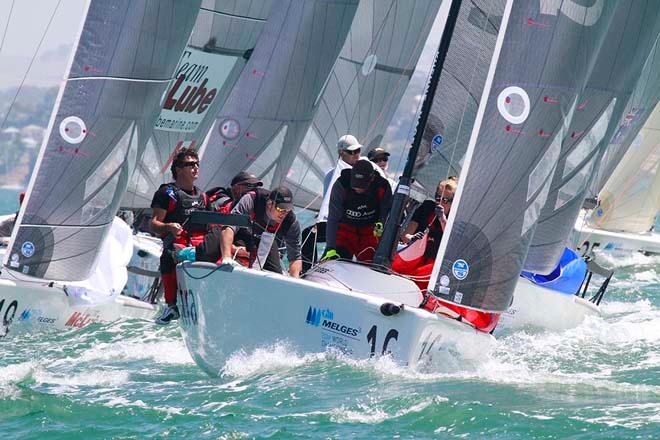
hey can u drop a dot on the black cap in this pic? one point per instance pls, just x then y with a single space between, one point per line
378 153
246 178
282 197
361 174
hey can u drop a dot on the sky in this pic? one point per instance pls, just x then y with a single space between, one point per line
40 32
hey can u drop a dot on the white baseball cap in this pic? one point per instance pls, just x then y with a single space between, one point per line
348 143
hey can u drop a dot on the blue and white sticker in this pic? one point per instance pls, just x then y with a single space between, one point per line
444 281
27 249
600 212
460 269
435 144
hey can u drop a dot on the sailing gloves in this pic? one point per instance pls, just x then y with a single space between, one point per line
439 211
378 229
330 254
417 236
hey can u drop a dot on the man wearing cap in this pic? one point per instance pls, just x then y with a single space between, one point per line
381 157
348 149
274 222
223 200
359 204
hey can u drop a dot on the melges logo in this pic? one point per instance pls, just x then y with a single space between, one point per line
324 318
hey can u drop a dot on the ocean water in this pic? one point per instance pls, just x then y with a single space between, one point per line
135 380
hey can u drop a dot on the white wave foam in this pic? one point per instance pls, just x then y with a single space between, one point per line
112 378
165 351
272 358
626 259
371 413
10 375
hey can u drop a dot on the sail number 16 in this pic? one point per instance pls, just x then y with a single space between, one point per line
373 335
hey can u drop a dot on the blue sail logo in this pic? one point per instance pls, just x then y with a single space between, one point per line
314 316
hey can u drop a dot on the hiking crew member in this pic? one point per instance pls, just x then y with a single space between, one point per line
348 149
359 203
172 205
274 222
223 200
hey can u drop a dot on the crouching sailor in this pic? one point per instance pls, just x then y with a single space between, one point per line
359 203
172 205
274 222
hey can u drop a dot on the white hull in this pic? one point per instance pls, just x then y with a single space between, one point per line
589 239
144 265
536 306
225 310
30 304
34 306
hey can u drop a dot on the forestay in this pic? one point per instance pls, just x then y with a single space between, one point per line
620 60
447 132
222 40
121 64
524 113
364 88
263 121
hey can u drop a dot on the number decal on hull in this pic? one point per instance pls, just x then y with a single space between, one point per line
373 335
9 314
188 307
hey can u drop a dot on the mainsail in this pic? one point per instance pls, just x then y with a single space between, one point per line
221 43
631 197
105 109
265 117
527 103
630 37
364 88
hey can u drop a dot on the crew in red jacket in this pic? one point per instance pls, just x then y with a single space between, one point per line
359 204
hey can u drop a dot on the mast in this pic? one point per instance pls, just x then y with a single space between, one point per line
387 243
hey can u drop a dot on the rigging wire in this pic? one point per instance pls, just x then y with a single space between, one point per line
4 34
34 56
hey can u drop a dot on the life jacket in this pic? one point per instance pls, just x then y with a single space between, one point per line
181 204
362 209
220 199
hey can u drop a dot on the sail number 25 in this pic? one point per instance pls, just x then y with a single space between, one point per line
373 335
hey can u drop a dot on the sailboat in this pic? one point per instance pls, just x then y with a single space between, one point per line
552 291
66 262
628 203
221 43
365 311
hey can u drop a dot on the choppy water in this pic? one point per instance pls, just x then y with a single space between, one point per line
134 380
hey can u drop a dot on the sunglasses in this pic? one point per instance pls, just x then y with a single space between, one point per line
281 210
381 159
352 153
189 164
443 199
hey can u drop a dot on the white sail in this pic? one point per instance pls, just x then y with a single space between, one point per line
221 43
523 116
365 87
120 66
631 197
263 121
626 65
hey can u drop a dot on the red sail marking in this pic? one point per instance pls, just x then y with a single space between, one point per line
534 23
510 129
550 100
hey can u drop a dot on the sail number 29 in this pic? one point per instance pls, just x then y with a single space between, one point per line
373 335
